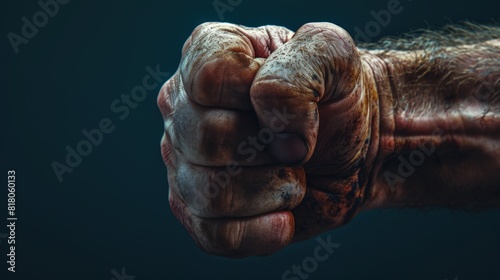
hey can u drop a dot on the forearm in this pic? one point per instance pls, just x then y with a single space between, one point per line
439 126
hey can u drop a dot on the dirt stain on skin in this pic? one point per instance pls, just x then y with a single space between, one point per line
286 196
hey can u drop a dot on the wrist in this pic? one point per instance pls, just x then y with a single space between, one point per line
377 72
437 145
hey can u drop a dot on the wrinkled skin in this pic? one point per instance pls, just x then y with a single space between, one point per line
273 137
230 80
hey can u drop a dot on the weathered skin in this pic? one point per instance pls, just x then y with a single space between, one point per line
330 154
446 104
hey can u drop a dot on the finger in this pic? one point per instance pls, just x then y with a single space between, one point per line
235 191
214 137
240 191
327 208
220 61
319 64
211 136
258 235
163 101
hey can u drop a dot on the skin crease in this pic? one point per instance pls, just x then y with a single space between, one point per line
460 123
344 127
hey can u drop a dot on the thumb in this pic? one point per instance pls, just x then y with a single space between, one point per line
320 64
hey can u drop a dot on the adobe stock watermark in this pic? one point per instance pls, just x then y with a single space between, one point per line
122 108
250 147
121 276
407 165
29 29
381 18
310 264
222 6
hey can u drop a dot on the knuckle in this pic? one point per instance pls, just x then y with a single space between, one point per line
204 27
325 27
211 28
228 71
317 26
331 33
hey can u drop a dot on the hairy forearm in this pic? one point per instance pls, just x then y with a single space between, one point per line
439 126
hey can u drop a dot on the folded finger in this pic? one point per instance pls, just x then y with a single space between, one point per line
242 237
236 191
220 61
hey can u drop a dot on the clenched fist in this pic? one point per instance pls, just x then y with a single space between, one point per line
269 135
273 136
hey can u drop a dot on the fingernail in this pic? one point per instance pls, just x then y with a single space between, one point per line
288 148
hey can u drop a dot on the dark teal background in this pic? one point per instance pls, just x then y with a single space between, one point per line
112 210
